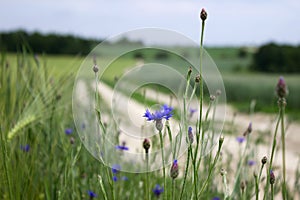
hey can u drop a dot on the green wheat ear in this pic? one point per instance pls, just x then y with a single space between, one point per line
20 125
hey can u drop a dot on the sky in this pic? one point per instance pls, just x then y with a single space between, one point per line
229 23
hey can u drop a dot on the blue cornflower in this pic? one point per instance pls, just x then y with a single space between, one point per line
25 148
192 111
251 162
121 147
68 131
216 198
164 112
240 139
124 178
157 190
115 178
91 194
115 168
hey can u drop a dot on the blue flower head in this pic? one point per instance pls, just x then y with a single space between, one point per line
240 139
192 111
251 162
122 148
216 198
157 190
68 131
91 194
25 148
115 178
115 168
164 112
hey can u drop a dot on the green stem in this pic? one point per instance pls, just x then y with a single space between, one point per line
282 106
147 177
102 187
225 187
173 188
272 156
186 171
257 181
163 162
5 157
211 169
235 187
272 191
200 112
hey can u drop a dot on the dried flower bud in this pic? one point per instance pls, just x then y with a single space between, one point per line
174 170
197 79
254 175
72 140
221 140
249 129
264 160
272 177
189 72
190 135
203 14
243 185
95 68
218 92
223 172
281 88
212 97
146 145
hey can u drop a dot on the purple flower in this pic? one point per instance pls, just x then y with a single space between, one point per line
68 131
115 178
190 135
249 130
216 198
192 111
240 139
251 162
124 178
281 88
272 177
115 168
25 148
91 194
157 190
174 170
122 148
164 112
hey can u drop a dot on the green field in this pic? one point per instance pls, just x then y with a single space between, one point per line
42 157
241 85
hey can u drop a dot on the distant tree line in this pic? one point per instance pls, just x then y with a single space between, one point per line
277 58
46 43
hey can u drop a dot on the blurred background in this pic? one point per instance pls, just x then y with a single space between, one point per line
257 40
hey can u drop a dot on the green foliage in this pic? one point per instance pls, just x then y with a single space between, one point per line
277 58
46 43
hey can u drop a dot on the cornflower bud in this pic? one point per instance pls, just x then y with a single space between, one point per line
146 145
174 170
203 14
